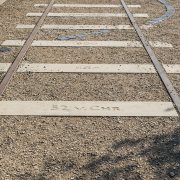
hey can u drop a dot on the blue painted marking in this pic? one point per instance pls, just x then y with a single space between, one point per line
3 49
170 11
82 35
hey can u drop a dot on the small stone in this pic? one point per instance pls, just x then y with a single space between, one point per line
172 174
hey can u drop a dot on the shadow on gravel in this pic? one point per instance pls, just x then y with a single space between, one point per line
162 155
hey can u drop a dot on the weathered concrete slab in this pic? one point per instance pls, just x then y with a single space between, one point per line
85 43
87 108
87 14
87 5
46 26
82 68
159 44
4 67
76 43
2 1
172 68
76 26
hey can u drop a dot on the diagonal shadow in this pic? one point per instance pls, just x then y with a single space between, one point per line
163 156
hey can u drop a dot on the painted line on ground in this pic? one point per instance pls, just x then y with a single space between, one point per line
87 14
170 11
82 35
87 108
81 68
172 68
76 26
87 5
85 43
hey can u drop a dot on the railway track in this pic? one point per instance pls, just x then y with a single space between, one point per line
79 64
89 108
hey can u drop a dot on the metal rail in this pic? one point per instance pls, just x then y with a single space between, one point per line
167 83
22 52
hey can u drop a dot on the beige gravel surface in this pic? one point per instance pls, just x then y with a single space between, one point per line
86 55
113 35
85 87
86 10
87 21
84 148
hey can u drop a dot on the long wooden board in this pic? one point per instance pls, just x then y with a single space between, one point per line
87 108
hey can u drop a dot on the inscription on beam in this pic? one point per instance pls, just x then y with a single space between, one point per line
87 108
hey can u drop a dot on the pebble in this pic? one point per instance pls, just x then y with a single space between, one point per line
172 174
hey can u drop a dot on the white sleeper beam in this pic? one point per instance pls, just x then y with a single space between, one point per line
76 26
85 43
81 68
46 26
91 68
75 43
2 1
87 108
172 68
159 44
87 5
87 15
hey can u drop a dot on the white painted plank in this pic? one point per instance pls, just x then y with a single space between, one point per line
88 68
87 14
134 6
84 43
75 43
86 27
13 43
46 26
87 108
76 26
82 68
87 5
24 26
88 43
172 68
159 44
4 67
91 68
146 26
2 1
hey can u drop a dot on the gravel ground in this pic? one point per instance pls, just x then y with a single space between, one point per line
85 87
89 148
104 148
175 80
114 35
87 20
86 55
166 31
86 10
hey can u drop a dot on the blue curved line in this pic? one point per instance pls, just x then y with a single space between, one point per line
170 11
